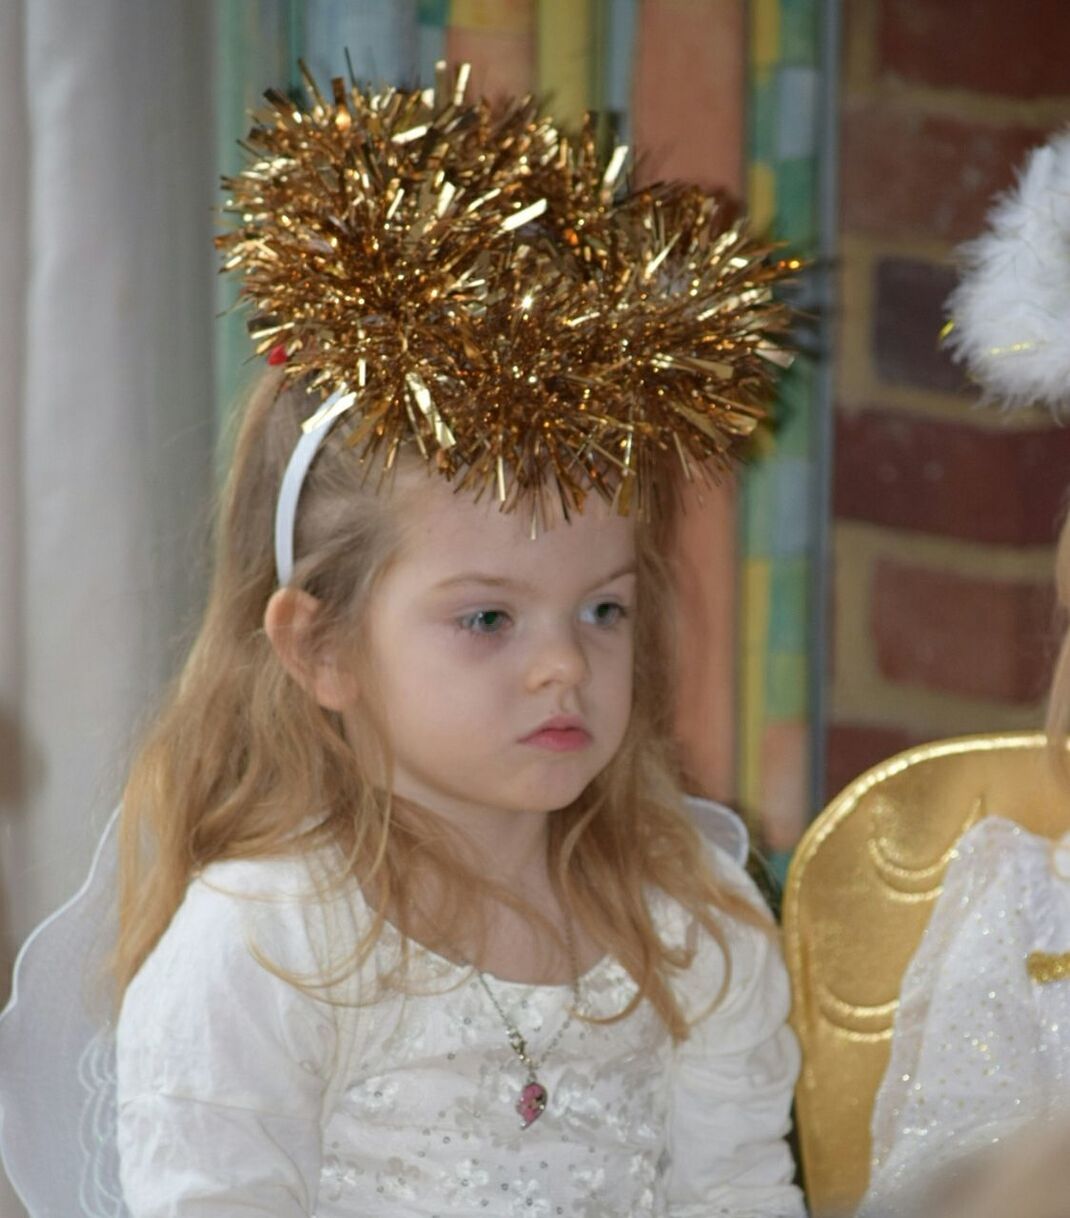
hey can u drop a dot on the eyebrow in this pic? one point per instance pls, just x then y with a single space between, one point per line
522 585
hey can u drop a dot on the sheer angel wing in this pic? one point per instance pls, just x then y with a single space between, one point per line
57 1058
721 826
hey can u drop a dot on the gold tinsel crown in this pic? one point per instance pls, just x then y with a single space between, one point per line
484 287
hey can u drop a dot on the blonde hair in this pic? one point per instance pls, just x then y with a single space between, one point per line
242 755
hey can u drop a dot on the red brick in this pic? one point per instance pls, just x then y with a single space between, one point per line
853 748
979 638
907 172
952 479
987 46
908 314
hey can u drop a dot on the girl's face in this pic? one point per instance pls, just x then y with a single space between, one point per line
503 664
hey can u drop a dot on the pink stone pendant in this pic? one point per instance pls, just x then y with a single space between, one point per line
532 1102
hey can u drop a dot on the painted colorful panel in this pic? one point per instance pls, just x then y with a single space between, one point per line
778 517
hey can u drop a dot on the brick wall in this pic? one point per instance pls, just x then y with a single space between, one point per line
944 515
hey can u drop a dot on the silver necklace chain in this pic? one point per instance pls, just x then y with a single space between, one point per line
516 1037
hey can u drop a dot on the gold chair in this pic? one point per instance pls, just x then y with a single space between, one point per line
859 893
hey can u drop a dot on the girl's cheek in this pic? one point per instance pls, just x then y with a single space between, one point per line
615 641
473 644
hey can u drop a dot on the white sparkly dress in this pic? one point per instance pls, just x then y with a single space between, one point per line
979 1046
239 1093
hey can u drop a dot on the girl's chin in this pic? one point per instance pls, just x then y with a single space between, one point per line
556 781
550 796
541 800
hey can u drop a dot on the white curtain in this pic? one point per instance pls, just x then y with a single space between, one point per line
106 409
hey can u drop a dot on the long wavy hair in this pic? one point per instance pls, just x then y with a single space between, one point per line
241 754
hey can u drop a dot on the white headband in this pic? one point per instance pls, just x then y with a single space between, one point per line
314 432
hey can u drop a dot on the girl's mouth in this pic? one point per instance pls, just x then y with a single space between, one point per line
562 734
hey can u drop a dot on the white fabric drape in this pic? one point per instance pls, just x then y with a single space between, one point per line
106 409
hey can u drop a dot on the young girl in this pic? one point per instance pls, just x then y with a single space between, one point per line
412 920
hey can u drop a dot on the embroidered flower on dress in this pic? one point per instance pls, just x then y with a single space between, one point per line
398 1180
373 1096
466 1182
529 1201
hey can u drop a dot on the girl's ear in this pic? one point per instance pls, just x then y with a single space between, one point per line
288 621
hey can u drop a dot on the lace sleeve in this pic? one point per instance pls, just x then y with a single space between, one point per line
222 1064
733 1080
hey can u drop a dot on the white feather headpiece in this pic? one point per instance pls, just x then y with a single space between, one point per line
1010 314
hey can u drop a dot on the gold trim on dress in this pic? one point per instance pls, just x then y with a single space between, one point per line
1046 967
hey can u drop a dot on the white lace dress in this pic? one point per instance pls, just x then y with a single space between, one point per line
979 1046
240 1094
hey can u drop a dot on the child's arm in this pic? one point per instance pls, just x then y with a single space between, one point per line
733 1081
222 1064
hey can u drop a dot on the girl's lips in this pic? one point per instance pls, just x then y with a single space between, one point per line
559 739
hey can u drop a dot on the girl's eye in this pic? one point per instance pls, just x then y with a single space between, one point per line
484 621
604 613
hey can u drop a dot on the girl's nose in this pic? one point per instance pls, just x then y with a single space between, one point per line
558 660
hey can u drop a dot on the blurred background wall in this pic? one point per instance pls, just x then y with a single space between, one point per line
943 515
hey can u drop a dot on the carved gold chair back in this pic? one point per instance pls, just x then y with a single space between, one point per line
859 893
